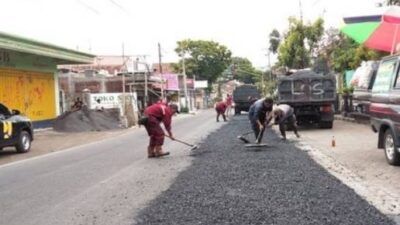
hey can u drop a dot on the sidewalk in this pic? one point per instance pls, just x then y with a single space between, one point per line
360 120
48 140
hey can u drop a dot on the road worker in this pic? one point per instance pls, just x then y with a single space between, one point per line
220 107
157 113
258 115
229 103
284 115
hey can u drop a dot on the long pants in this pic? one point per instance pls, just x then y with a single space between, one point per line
155 132
257 132
289 120
220 113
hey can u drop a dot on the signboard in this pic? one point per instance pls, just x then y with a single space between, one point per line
172 82
112 100
201 84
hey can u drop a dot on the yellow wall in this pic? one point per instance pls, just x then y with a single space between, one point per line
33 93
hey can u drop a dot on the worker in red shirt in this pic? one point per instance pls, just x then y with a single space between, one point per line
157 113
220 107
229 102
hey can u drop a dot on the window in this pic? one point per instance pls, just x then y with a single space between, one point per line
384 76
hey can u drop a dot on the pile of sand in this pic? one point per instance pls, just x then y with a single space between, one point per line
87 120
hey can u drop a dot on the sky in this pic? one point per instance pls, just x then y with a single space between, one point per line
106 27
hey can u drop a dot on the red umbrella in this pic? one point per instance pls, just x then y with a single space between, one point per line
376 31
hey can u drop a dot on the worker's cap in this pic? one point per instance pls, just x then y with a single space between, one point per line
175 107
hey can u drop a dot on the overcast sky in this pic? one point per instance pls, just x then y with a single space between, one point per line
101 26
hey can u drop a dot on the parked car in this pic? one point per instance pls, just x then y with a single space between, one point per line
311 95
15 130
363 81
243 95
385 108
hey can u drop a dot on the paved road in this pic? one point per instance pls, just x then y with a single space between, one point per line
99 183
356 161
228 184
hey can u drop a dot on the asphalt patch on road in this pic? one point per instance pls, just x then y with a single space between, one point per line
278 185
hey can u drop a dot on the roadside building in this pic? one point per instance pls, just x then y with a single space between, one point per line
28 76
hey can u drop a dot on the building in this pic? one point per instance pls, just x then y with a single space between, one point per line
28 76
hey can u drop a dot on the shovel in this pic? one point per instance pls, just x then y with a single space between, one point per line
192 147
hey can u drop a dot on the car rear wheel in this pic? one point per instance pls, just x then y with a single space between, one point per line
24 142
326 125
237 111
391 153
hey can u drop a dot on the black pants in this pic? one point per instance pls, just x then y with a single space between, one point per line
290 121
223 115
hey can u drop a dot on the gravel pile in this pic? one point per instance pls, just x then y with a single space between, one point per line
228 184
87 120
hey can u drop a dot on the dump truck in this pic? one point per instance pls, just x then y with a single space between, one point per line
243 95
311 95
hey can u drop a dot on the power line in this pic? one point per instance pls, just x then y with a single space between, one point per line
119 6
90 8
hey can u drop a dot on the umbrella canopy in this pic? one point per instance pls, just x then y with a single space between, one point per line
380 32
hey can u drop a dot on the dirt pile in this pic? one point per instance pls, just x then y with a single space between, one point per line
87 120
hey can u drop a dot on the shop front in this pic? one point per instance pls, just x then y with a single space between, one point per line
28 76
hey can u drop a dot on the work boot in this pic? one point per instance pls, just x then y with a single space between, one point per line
160 152
150 152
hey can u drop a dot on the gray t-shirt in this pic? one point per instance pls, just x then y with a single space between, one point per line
287 111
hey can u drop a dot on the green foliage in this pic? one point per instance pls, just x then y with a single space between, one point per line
293 52
342 53
205 59
269 87
392 2
274 41
347 90
184 109
244 70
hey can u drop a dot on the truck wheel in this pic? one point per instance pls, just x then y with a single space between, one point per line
326 125
391 153
237 111
24 142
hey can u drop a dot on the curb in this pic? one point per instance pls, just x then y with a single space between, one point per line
351 119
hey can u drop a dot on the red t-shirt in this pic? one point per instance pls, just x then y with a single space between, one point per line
162 112
221 106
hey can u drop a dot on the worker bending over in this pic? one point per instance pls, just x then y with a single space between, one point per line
257 116
284 114
157 113
220 107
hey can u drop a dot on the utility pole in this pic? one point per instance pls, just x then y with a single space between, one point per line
123 79
184 80
301 11
269 65
161 72
146 91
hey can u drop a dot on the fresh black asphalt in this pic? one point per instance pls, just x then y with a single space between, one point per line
229 184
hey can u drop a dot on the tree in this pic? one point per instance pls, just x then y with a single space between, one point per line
205 59
392 2
244 70
342 53
274 41
299 43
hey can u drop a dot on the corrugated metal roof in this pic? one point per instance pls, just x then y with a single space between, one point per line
64 55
